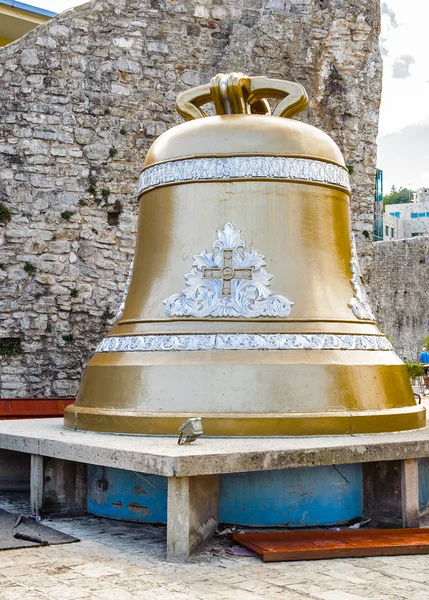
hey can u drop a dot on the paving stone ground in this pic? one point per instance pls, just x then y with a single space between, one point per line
127 561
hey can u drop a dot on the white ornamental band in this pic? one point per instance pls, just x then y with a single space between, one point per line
242 341
243 167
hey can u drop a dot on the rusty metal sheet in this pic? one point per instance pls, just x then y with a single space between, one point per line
307 545
25 408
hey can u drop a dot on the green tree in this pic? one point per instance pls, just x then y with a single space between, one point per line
401 196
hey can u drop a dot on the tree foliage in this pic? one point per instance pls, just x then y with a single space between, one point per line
401 196
414 370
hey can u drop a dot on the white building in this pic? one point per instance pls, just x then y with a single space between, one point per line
407 220
422 195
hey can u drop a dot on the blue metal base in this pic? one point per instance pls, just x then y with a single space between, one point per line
292 497
289 498
124 495
423 483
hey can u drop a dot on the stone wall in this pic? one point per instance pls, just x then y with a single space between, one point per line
400 292
83 97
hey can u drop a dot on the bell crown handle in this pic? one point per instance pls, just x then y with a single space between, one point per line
239 94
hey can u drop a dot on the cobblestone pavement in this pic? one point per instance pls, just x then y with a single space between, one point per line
125 561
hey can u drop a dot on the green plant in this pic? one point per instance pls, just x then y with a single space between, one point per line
29 268
2 267
118 206
83 202
92 190
366 234
106 316
9 347
105 192
67 337
67 214
74 293
113 215
425 343
107 111
112 152
94 230
122 131
38 295
350 168
5 214
414 370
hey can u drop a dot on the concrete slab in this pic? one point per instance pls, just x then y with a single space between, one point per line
193 485
207 456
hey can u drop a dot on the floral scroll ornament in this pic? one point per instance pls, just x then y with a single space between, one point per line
125 294
359 303
228 282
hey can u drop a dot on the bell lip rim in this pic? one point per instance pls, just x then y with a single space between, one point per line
252 425
258 320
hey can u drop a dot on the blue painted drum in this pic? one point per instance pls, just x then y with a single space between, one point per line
126 496
289 497
292 497
423 483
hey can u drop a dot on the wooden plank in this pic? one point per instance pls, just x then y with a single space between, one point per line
24 408
348 543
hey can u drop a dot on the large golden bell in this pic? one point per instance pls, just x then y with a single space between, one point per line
245 306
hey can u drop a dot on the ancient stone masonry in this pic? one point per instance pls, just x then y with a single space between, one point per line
400 292
84 96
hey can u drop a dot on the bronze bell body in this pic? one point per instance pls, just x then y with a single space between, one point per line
245 305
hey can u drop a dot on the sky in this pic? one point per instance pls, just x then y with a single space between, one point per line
403 143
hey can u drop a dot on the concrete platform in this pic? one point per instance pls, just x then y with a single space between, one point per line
59 458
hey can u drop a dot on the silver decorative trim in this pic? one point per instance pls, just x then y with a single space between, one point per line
359 303
228 282
243 341
125 294
243 167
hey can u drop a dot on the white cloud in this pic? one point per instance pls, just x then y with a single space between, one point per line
404 111
401 66
404 99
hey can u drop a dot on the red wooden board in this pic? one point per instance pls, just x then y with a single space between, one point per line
33 408
307 545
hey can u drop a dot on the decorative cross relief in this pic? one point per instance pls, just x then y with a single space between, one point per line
228 282
227 273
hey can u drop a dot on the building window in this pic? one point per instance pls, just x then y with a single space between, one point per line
422 214
392 232
414 215
387 230
415 234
